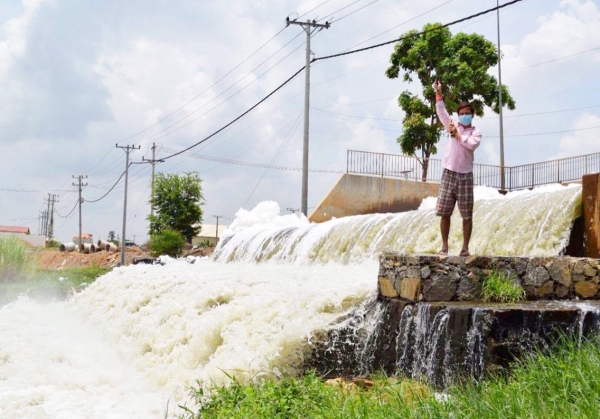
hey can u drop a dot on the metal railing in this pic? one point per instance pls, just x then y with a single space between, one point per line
516 177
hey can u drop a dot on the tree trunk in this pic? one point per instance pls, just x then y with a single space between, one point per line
425 166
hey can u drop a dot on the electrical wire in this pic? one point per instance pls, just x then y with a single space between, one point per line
69 214
401 24
313 9
437 28
339 10
281 147
218 105
555 59
239 117
354 11
207 89
109 191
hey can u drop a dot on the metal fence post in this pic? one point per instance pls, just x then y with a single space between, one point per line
558 171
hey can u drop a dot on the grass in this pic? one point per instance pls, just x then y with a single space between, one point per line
14 259
501 288
19 275
562 384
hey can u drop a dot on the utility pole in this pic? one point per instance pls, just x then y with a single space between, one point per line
309 27
52 200
128 149
152 162
217 231
502 179
80 186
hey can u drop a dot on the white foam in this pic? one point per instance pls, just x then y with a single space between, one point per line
55 365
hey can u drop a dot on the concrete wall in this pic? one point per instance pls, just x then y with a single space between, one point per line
32 239
591 215
358 194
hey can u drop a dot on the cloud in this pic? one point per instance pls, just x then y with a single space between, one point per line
582 142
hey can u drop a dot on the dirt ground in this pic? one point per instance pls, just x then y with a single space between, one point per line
54 259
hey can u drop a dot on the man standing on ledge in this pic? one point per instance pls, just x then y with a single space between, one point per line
457 179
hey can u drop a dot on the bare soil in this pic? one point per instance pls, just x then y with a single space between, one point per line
56 260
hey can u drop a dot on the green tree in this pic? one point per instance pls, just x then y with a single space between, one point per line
461 63
177 203
167 242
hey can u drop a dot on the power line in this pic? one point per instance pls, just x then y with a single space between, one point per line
239 117
555 59
218 105
401 24
109 191
313 9
437 28
253 164
70 212
339 10
333 56
208 88
354 11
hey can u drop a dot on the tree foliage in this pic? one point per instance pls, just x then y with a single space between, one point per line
461 62
177 203
167 242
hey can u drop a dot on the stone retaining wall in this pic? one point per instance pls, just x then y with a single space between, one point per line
419 278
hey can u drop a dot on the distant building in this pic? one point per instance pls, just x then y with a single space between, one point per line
208 233
16 230
23 233
85 238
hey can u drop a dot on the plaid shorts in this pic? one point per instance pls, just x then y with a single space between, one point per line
455 187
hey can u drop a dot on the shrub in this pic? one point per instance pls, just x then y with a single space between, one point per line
501 288
167 242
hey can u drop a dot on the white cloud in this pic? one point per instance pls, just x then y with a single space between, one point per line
581 142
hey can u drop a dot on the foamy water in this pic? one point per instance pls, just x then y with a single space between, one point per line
55 365
143 334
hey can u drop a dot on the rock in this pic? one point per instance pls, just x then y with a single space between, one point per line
469 289
409 288
578 277
562 291
545 290
439 288
386 288
413 272
560 272
425 272
536 276
586 289
578 268
589 271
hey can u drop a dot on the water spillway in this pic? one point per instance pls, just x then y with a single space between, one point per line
529 223
148 332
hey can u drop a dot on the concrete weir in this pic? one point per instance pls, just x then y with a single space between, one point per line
428 321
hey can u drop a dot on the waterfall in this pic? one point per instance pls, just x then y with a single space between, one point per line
524 223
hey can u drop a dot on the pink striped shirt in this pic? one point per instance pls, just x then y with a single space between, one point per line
458 155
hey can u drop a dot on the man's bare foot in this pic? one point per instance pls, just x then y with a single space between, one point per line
464 253
443 252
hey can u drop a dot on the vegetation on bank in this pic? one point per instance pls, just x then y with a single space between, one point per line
501 288
563 384
20 274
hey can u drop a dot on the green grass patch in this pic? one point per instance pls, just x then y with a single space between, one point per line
15 259
501 288
562 384
50 284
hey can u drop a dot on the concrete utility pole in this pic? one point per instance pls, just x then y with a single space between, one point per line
309 27
152 162
217 231
502 179
52 200
80 186
128 149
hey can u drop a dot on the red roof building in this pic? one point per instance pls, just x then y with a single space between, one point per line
14 229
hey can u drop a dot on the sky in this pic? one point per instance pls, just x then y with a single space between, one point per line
77 78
